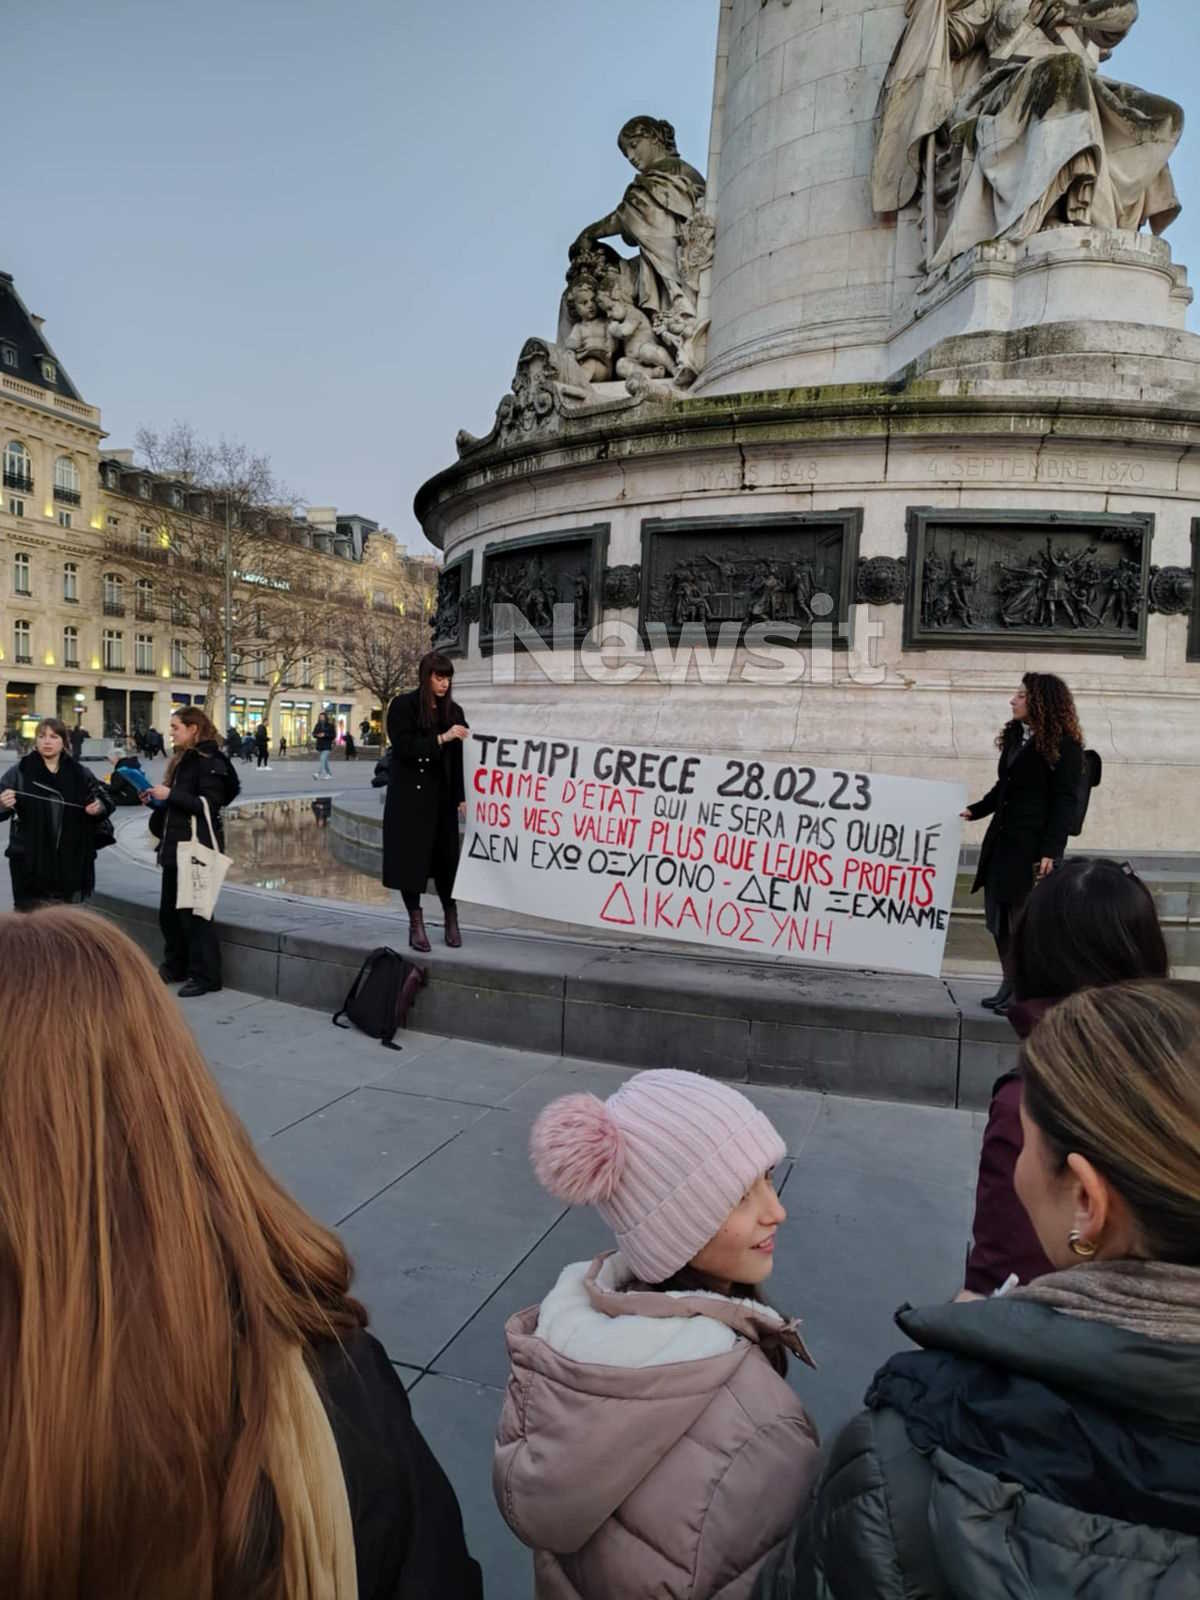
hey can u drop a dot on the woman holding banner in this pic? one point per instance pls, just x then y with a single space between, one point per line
425 797
1030 804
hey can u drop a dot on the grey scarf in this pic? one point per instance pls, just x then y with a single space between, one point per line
1156 1298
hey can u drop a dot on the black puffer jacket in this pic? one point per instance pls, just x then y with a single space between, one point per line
1022 1454
203 773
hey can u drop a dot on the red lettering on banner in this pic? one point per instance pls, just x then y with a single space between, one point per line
618 897
492 814
545 823
619 831
802 936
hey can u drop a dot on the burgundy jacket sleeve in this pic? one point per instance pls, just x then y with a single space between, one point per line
1003 1239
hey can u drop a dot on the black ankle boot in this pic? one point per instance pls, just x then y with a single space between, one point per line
417 937
453 932
999 1001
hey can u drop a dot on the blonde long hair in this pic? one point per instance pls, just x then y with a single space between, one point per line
1113 1074
156 1287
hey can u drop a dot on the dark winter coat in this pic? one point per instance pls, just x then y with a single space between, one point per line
54 844
408 1532
424 793
203 773
1031 805
324 734
1003 1240
262 737
1020 1452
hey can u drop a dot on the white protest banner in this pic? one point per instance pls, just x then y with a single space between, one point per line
851 869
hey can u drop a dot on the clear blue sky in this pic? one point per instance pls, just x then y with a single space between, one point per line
325 228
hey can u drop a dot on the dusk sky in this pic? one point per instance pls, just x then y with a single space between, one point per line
326 229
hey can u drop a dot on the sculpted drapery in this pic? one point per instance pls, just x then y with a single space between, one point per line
1027 132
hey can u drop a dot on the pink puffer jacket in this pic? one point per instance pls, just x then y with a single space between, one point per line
647 1447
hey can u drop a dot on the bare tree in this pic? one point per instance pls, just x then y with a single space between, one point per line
382 652
225 570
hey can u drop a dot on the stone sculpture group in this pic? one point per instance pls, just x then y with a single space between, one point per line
995 114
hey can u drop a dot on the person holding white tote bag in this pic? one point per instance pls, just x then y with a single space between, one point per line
198 783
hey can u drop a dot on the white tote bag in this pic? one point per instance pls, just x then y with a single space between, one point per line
201 871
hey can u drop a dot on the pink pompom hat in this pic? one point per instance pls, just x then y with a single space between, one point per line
664 1161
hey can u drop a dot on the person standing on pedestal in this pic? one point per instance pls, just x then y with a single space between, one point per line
324 733
425 796
1030 804
54 803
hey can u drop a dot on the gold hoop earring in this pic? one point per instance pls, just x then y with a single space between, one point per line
1081 1246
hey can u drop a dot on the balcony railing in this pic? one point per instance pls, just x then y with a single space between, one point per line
69 497
23 589
182 672
113 665
18 480
114 608
23 660
71 663
144 609
144 672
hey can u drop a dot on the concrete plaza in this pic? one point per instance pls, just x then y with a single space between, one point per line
419 1160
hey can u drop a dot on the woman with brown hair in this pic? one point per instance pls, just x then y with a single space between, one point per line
1031 805
55 804
199 774
1047 1442
189 1401
425 796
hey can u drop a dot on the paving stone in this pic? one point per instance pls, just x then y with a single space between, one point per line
340 1157
459 1422
434 1246
269 1101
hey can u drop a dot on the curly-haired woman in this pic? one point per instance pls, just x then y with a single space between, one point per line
1030 804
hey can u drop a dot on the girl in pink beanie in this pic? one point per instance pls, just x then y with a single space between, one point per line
649 1443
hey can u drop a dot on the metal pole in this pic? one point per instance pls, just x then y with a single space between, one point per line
228 619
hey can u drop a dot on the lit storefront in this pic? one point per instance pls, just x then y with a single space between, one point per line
19 715
295 721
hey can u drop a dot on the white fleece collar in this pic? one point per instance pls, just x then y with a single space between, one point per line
572 1326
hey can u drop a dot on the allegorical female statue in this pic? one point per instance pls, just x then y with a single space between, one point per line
654 215
1026 133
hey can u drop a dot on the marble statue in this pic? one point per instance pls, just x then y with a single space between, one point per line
653 215
590 339
996 109
631 326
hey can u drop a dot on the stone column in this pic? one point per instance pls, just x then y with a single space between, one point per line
806 276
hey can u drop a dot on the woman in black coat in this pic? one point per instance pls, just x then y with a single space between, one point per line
198 771
1031 805
55 805
425 796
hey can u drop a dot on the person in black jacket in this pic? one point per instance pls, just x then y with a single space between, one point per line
262 744
207 1414
1047 1442
1031 805
425 796
54 804
324 733
198 771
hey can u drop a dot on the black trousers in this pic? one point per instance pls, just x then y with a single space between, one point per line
29 891
191 947
443 866
263 756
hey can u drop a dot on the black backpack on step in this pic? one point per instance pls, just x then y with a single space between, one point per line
381 996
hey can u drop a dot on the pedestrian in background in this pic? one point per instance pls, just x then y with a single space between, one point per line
425 796
262 744
350 748
1046 1442
198 773
1091 922
650 1444
282 748
190 1400
1031 805
324 734
54 805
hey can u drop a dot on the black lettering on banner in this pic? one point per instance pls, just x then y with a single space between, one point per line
494 848
809 777
729 784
